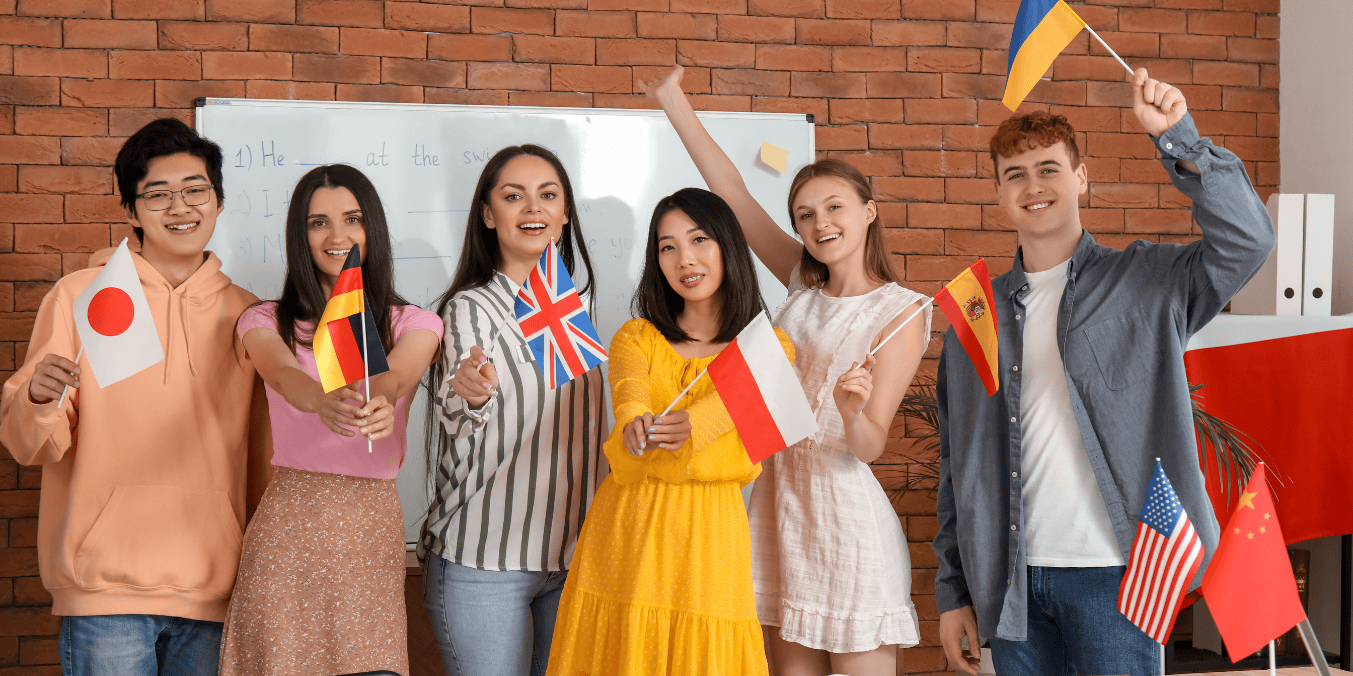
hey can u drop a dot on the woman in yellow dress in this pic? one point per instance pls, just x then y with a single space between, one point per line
662 579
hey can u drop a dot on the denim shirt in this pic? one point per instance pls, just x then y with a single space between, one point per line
1124 321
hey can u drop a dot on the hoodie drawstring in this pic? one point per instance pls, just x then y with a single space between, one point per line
183 323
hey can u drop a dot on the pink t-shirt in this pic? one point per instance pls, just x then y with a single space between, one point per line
301 441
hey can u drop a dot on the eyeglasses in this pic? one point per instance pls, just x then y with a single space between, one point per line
193 196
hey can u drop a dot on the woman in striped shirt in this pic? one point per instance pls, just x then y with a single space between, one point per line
518 462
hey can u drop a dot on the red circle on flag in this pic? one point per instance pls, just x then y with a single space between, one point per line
111 311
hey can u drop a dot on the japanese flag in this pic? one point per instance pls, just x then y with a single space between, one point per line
114 322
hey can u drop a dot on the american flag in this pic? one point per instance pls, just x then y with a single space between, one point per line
1165 556
555 322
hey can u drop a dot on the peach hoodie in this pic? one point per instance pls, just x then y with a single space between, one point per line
145 513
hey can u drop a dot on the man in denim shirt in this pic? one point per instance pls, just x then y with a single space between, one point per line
1041 484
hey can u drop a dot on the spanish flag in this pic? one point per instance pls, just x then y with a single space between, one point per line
1043 28
347 344
967 302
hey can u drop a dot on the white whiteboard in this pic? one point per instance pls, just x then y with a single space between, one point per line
425 160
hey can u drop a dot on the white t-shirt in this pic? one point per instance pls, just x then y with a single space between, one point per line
1066 523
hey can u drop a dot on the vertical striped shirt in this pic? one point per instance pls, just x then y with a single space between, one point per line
514 484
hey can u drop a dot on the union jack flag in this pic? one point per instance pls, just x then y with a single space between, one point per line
1165 556
555 322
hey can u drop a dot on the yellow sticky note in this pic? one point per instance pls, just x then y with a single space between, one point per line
775 158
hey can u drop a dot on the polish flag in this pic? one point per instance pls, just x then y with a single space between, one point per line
113 318
761 391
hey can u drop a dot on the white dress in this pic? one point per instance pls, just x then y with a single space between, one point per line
829 559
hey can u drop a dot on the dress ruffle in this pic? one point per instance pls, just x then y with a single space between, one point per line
626 638
836 632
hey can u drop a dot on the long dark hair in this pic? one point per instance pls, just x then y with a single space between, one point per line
876 263
303 298
480 259
656 301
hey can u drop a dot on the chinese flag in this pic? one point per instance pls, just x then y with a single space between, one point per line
1248 585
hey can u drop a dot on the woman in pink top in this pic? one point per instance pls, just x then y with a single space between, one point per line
320 587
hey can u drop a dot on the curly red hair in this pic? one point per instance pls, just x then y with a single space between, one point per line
1037 129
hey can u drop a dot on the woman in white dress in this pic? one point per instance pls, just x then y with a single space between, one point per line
829 558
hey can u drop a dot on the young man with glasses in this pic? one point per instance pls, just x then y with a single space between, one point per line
144 482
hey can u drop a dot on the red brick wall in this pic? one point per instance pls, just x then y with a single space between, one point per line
906 89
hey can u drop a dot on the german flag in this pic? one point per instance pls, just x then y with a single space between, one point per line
343 329
967 301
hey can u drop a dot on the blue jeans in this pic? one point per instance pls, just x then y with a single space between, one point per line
491 623
139 645
1075 628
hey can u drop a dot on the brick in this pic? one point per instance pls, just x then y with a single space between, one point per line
246 65
528 76
382 42
1135 146
978 35
193 35
801 58
624 101
417 16
91 209
611 52
6 122
749 82
351 13
831 32
1071 67
70 9
693 80
1253 148
710 6
305 91
758 29
905 136
1266 27
909 189
186 10
1139 171
1110 94
132 65
98 152
1087 118
848 137
9 182
1127 44
797 106
869 59
904 85
7 239
939 163
39 61
28 622
943 10
828 85
1105 18
39 238
334 68
313 39
550 99
969 85
27 298
941 111
105 34
979 242
722 103
60 122
24 532
470 47
126 121
16 562
1250 50
30 31
910 241
1158 221
1222 23
1226 73
543 49
1123 195
379 93
183 93
29 150
850 111
251 11
943 60
880 163
1135 20
797 8
716 54
38 650
31 208
515 21
909 33
864 9
422 72
630 5
1101 220
969 191
677 26
1248 100
548 4
1193 47
570 23
106 93
604 79
6 59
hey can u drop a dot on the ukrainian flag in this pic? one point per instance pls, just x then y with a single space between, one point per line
1043 28
345 351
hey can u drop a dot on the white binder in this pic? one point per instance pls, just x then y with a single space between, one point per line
1277 289
1318 274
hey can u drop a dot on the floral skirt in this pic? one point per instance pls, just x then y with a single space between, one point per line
320 588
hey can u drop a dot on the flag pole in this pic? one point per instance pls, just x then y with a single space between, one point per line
62 401
1313 647
1272 659
667 410
1106 46
366 372
928 301
1162 659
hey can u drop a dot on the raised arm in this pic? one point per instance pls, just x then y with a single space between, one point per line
281 371
777 249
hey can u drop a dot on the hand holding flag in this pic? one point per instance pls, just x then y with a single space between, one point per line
347 345
112 317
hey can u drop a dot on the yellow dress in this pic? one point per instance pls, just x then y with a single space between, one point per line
661 582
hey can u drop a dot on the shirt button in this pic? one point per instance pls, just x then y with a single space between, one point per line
1015 367
1016 317
1012 418
1012 526
1169 146
1015 474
